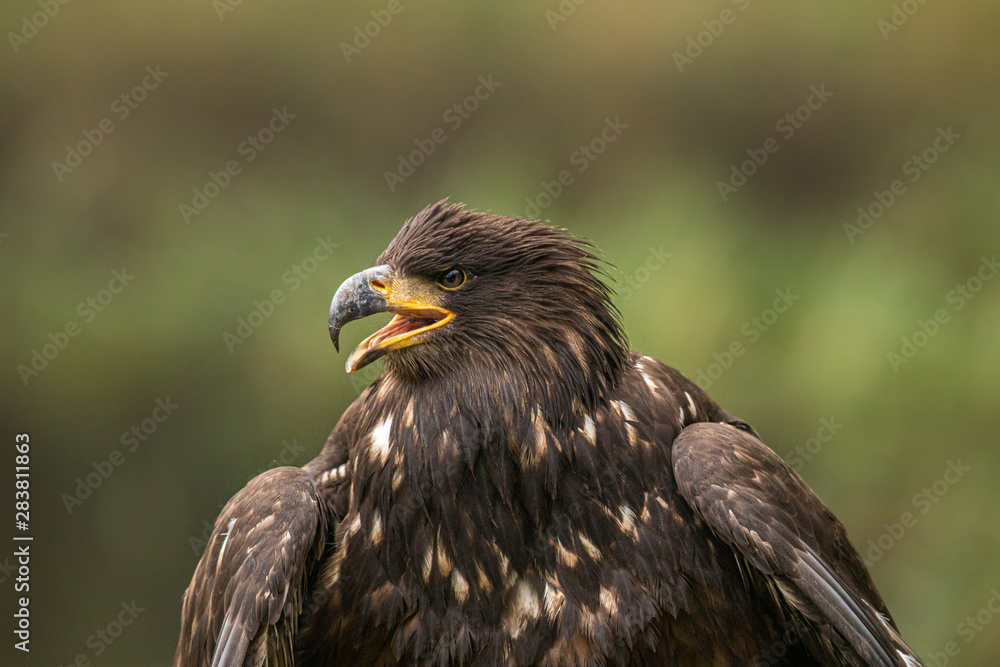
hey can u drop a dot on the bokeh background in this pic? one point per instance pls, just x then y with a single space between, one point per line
893 77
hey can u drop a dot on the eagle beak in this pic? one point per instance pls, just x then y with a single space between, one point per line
378 290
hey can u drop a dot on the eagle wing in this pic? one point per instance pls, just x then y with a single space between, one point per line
788 540
243 603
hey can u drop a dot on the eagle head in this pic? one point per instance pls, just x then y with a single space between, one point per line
487 301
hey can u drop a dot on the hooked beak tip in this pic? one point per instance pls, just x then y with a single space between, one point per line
355 299
335 337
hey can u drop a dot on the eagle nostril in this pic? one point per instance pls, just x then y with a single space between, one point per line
378 286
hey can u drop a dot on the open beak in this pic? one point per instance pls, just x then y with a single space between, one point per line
377 290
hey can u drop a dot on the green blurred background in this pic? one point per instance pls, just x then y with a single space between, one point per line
653 191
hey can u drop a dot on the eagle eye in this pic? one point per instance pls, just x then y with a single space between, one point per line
452 278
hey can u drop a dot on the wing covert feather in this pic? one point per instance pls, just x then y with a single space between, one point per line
757 504
243 603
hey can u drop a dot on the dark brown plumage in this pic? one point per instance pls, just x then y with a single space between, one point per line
518 488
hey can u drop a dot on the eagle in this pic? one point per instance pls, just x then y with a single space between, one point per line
518 487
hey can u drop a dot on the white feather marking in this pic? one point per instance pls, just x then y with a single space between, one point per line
628 521
541 441
592 550
526 601
565 556
524 607
692 406
338 557
380 440
460 586
553 599
334 474
626 409
376 534
484 581
509 575
225 539
608 601
589 429
444 562
649 382
646 516
428 563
